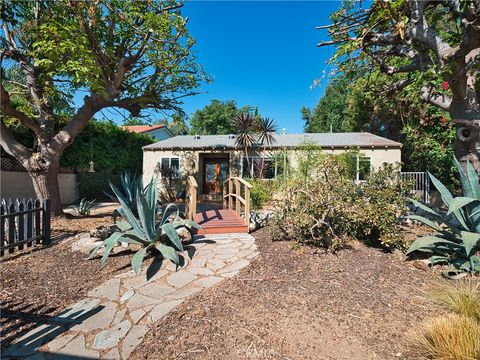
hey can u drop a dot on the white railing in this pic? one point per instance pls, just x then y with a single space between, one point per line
420 183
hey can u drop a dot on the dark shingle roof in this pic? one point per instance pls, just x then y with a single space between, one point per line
324 140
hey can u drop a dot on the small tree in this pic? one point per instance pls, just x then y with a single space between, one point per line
131 55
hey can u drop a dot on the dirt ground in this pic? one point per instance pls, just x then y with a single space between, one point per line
40 283
300 304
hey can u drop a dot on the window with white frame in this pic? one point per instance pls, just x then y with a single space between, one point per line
169 167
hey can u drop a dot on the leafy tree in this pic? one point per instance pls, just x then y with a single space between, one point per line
217 118
433 46
331 113
178 124
122 54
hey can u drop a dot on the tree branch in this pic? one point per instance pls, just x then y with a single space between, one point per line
24 119
12 146
439 100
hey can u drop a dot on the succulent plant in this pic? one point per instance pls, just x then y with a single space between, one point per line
84 206
130 184
457 238
155 229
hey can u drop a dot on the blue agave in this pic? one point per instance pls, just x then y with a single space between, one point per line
457 238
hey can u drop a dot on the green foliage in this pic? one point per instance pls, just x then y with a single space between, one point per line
95 185
111 148
131 185
84 207
456 240
326 207
217 118
261 192
153 230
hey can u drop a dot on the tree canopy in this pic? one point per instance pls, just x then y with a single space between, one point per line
217 118
432 47
131 55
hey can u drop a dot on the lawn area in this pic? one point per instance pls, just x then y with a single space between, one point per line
305 304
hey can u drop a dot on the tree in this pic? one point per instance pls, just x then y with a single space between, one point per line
217 117
123 54
439 41
330 114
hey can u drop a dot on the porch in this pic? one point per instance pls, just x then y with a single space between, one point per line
232 215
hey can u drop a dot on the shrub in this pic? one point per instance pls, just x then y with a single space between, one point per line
96 185
457 238
261 192
452 336
330 208
155 230
463 298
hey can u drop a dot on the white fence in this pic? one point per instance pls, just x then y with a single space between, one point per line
421 184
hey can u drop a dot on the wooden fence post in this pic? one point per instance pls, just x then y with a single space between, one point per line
11 228
238 191
3 210
21 224
46 221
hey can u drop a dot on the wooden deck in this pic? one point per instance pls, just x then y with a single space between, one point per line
216 220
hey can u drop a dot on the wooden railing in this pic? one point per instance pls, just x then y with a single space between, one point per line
191 198
236 192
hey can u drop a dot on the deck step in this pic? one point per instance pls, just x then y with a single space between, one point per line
220 221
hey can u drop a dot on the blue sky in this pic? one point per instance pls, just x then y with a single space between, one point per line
262 54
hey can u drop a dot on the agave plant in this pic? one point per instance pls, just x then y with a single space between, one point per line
84 206
130 184
154 231
457 238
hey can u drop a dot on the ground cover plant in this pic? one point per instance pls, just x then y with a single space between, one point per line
457 334
153 230
456 240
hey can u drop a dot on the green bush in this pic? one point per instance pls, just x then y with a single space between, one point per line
261 192
328 208
96 185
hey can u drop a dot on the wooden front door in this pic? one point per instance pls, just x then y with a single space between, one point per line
214 174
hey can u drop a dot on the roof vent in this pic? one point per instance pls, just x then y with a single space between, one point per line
284 131
231 136
196 137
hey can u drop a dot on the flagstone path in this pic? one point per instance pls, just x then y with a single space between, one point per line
115 316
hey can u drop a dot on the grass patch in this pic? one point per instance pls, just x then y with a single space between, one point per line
450 337
462 297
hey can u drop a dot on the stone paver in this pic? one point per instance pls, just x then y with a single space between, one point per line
113 319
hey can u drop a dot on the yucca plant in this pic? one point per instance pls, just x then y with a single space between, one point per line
155 230
84 207
457 238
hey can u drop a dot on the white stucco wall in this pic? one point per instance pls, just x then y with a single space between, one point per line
15 184
191 163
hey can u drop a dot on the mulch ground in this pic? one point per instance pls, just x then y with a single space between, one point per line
38 284
301 304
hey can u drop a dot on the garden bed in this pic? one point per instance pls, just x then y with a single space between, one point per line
41 282
300 304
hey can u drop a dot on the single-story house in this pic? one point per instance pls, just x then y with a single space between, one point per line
158 132
214 158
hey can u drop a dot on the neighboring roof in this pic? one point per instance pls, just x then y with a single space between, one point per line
140 129
324 140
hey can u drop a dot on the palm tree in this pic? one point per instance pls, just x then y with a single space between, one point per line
245 135
265 130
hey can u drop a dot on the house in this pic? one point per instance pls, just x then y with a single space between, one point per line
214 158
158 132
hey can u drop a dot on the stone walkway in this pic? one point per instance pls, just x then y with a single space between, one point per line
115 316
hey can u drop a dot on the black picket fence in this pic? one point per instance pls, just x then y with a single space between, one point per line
24 224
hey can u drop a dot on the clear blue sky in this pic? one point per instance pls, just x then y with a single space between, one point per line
262 54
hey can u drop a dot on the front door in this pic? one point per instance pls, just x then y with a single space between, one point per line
214 175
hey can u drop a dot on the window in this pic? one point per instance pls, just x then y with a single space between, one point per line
364 167
259 168
170 167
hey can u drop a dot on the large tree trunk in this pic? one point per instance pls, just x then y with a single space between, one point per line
43 167
46 186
